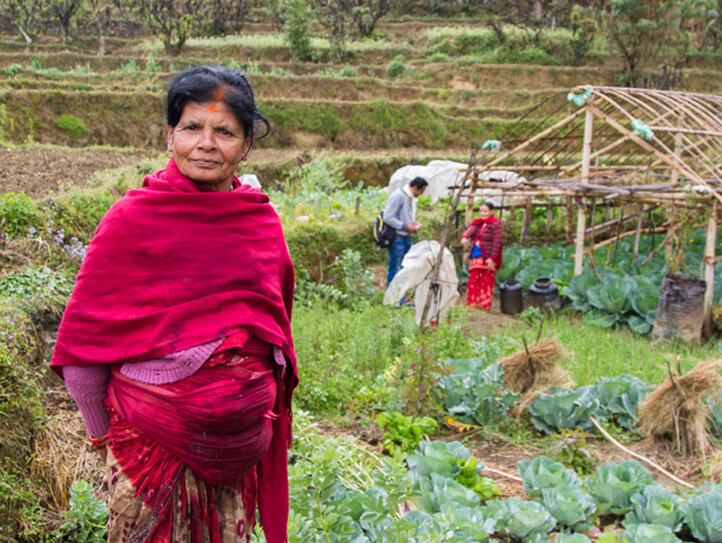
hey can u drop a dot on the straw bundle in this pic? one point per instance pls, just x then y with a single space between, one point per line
534 370
676 409
62 455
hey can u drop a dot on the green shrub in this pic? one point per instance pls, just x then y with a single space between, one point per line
395 68
348 71
17 212
71 125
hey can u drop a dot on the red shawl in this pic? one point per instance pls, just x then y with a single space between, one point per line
162 274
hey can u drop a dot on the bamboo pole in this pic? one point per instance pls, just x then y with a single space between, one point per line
664 158
550 217
677 156
569 223
709 265
528 142
525 222
470 200
638 234
581 214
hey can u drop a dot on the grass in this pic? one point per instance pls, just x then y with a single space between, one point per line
599 352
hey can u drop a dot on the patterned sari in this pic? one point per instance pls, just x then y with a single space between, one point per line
182 457
480 288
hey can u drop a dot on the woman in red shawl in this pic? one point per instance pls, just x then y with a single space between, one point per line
484 237
176 343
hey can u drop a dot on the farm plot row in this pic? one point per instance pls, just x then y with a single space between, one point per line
266 86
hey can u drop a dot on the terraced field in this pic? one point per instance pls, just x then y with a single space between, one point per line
432 110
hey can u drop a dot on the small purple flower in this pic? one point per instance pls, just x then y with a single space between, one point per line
32 231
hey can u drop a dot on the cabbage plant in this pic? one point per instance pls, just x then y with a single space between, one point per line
654 504
520 518
543 472
570 506
649 533
702 510
616 485
560 408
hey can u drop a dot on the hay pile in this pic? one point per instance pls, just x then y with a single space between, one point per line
62 455
675 410
534 370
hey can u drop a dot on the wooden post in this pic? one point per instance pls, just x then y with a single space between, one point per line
677 153
550 217
569 225
581 216
579 253
709 264
525 221
470 200
638 234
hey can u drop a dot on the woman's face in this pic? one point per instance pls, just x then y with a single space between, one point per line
485 212
207 144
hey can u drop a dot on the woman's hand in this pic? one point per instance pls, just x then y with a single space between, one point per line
490 264
464 242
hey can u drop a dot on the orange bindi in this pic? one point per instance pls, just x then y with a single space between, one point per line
212 107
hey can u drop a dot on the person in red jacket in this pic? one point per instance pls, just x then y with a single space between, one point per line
483 237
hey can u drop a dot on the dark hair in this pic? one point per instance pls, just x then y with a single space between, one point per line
216 83
489 205
419 182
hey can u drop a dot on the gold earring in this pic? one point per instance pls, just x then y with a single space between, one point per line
169 153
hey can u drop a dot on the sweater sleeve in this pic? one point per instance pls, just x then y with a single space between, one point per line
392 211
88 386
496 242
470 232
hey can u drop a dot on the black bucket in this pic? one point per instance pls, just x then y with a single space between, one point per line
544 294
680 311
512 301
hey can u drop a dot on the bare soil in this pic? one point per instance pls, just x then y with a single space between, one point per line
38 171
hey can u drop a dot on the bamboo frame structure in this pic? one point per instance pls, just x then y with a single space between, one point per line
633 147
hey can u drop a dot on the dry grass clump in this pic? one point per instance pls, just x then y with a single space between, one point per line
534 369
62 456
675 410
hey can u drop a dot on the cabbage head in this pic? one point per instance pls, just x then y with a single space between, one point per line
543 472
702 512
654 504
649 533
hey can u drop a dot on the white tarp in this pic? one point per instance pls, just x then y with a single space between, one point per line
442 174
250 179
414 274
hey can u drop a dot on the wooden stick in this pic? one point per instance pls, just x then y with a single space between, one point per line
639 456
504 474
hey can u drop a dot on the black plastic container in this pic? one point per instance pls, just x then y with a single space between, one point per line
544 294
512 301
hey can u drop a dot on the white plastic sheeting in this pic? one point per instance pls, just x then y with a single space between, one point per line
442 174
414 274
250 179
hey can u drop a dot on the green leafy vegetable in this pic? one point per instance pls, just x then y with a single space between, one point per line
702 512
564 408
617 484
654 504
543 472
649 533
521 518
404 433
570 506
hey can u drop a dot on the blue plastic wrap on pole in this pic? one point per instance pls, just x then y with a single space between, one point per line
494 145
642 130
579 99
